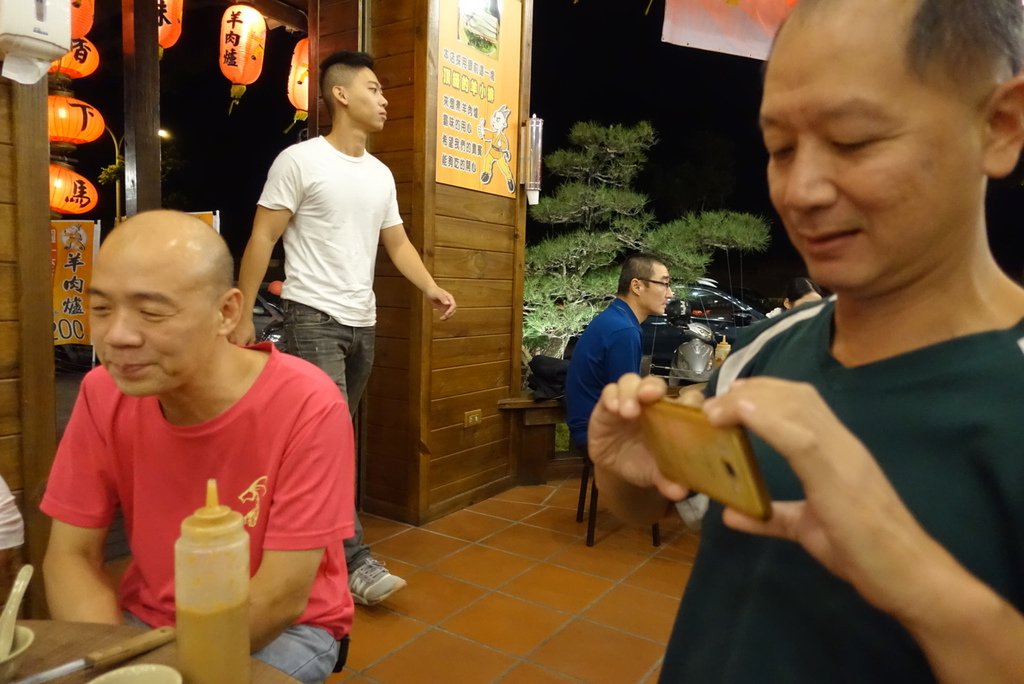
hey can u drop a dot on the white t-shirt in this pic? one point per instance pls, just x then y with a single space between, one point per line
339 205
12 528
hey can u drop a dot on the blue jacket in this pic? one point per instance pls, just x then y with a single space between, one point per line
608 349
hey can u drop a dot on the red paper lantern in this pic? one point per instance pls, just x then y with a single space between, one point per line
81 60
70 192
73 121
298 82
243 41
169 13
82 12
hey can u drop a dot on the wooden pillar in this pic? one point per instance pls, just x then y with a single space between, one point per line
141 106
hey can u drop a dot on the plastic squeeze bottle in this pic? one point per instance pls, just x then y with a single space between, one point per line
211 590
722 350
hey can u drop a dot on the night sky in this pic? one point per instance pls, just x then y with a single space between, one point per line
592 60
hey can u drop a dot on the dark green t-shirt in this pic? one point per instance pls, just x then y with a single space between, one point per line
946 424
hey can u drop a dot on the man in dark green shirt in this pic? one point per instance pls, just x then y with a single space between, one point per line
886 421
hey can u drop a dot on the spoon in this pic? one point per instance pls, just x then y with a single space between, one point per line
10 614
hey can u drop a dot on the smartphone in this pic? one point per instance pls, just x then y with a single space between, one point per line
713 460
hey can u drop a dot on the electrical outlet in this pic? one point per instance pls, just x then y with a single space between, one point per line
473 417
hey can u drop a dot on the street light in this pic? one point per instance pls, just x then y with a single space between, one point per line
114 170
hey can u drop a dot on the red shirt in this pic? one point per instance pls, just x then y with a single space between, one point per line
282 455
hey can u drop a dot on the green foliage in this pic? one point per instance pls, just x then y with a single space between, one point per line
571 276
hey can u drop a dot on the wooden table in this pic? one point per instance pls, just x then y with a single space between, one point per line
58 642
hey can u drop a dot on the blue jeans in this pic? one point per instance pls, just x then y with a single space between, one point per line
345 353
304 652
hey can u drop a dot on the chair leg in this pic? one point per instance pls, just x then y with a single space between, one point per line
584 478
656 534
592 521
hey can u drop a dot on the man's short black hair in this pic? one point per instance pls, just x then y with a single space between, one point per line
639 266
337 69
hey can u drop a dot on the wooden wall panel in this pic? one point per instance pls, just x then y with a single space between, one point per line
464 464
479 293
392 321
448 382
391 352
447 497
393 292
6 130
390 414
338 15
8 242
10 407
456 232
335 42
451 410
392 39
465 351
475 206
394 71
455 438
455 262
400 102
397 136
480 321
8 292
7 168
392 11
10 349
10 461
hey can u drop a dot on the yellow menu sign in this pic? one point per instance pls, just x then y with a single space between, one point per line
478 95
72 252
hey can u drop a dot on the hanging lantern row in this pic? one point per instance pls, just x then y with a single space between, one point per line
169 14
243 41
73 121
81 60
70 192
298 82
82 13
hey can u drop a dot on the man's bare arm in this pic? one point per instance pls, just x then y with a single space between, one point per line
408 262
267 228
78 589
279 592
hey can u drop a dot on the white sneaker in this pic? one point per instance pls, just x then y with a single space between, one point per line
692 510
371 583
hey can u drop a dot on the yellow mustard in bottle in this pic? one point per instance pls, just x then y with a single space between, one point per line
211 593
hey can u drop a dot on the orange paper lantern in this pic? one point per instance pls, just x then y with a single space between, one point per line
82 12
243 41
169 13
70 192
73 121
81 60
298 82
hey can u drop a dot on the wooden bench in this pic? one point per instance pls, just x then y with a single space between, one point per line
533 439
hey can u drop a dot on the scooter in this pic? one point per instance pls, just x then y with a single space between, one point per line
693 360
269 306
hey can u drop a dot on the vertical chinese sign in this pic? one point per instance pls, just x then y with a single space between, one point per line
478 95
72 253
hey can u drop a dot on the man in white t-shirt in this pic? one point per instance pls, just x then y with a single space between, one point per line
332 202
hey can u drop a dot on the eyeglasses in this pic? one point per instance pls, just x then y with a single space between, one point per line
663 283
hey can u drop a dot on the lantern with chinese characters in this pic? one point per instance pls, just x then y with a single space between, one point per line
169 13
298 82
243 39
82 12
70 192
73 121
81 60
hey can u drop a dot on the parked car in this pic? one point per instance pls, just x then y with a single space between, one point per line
703 303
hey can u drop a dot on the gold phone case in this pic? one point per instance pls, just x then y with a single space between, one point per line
716 461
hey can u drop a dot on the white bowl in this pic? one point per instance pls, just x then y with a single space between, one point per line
23 637
143 673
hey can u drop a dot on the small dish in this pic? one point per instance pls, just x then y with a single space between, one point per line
142 673
23 638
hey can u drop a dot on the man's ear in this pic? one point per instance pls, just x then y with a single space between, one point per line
1004 116
230 310
340 94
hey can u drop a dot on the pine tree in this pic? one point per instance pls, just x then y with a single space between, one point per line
571 275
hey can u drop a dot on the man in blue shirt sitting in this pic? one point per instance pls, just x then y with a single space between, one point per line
610 346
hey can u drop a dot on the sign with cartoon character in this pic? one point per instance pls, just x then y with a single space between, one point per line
72 252
478 95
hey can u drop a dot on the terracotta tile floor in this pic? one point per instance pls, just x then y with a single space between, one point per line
507 591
